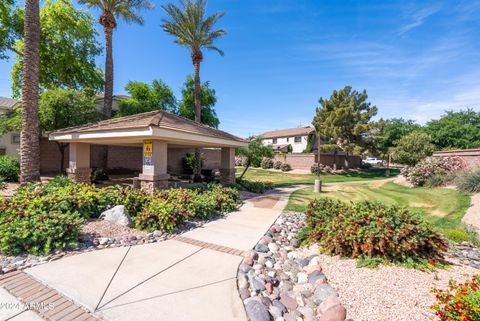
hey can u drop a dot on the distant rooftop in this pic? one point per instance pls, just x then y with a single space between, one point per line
7 102
298 131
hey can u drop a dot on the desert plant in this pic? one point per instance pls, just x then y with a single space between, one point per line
373 230
286 167
469 180
266 163
461 301
317 169
277 165
9 168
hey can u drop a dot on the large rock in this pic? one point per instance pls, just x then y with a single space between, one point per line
335 313
323 291
256 311
117 215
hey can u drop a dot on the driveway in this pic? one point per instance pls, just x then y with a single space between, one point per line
190 278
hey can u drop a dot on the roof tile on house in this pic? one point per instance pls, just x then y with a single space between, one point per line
7 102
161 119
299 131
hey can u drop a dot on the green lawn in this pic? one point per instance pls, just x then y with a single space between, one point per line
443 207
278 178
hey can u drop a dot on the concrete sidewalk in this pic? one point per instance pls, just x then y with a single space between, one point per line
192 278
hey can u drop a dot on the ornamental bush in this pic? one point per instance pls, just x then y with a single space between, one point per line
253 186
277 164
266 163
317 169
372 230
419 174
159 214
286 167
469 180
461 301
9 168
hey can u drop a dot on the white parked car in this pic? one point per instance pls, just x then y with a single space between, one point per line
373 161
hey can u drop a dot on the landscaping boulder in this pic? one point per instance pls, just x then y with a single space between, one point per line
256 311
117 215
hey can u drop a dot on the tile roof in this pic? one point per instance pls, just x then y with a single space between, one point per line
160 118
7 102
299 131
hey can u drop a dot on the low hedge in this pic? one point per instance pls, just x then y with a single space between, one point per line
253 186
373 230
40 218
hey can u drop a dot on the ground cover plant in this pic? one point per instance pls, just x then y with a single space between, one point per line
433 171
279 179
42 217
461 301
372 231
442 207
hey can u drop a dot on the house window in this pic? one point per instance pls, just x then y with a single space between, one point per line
16 139
274 141
298 139
288 139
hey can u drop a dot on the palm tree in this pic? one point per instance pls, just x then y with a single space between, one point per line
111 11
30 134
192 29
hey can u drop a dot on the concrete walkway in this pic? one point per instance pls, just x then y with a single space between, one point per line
192 278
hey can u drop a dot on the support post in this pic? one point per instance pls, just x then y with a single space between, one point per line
154 170
227 166
79 162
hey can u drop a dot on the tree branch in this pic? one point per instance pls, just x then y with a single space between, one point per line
15 51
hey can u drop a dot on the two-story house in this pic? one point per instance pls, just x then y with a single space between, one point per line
280 140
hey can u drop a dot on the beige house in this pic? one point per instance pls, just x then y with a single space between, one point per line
10 142
281 139
157 132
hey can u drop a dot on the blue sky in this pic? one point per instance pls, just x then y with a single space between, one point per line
414 58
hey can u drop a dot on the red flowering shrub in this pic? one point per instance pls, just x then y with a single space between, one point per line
373 230
430 167
461 301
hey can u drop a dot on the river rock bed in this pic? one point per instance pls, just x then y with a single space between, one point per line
281 282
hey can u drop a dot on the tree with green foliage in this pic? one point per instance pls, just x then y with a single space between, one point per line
345 118
193 29
58 109
68 48
254 153
111 10
208 101
11 27
455 130
412 148
145 98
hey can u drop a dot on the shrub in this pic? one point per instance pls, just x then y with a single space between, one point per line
99 175
317 169
35 230
373 230
469 180
159 214
238 161
9 168
277 165
286 167
432 166
253 186
461 301
435 181
267 163
189 161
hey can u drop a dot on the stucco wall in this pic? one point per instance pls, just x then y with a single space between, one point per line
470 156
7 144
305 161
297 147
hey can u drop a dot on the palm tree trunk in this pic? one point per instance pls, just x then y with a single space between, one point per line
108 96
197 169
30 135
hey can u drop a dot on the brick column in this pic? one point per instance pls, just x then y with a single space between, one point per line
227 165
154 171
79 162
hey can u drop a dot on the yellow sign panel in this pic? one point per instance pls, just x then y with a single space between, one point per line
147 148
